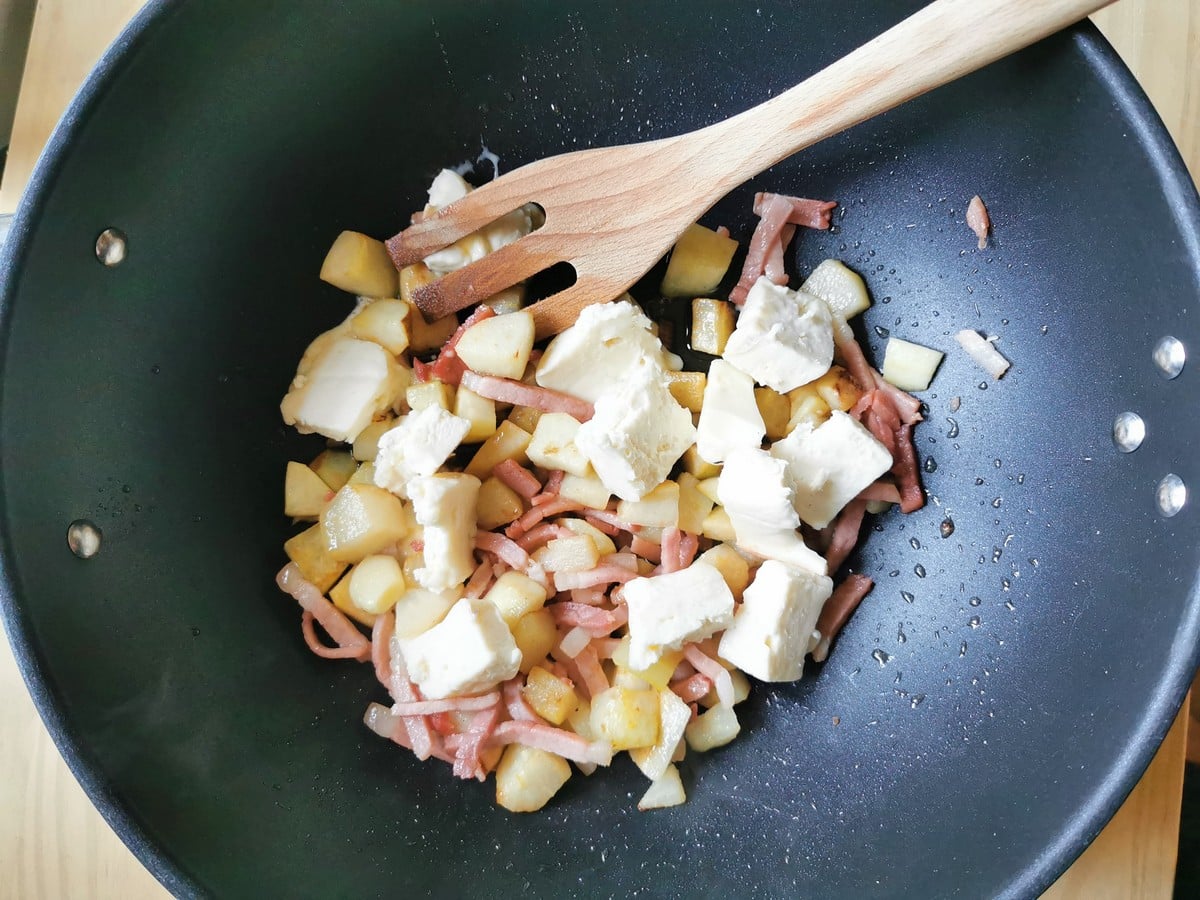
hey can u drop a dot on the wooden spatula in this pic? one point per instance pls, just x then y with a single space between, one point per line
614 212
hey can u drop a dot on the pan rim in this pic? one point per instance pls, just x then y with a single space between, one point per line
1076 832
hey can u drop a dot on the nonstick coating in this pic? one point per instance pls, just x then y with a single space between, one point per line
945 749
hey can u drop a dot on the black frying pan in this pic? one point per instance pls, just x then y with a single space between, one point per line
232 141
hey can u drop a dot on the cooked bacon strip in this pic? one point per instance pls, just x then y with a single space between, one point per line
380 719
605 573
421 737
845 533
381 646
564 743
448 704
467 761
479 581
448 367
554 482
851 355
599 524
590 672
983 352
773 216
543 511
815 214
646 549
693 688
979 221
507 550
837 610
672 539
774 266
505 390
516 704
908 407
516 476
881 490
593 596
542 534
908 475
598 622
351 643
689 546
715 672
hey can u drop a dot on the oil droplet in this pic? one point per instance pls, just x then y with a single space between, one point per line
996 554
997 502
919 570
894 573
978 482
953 432
1009 605
155 369
907 596
125 489
997 463
83 537
916 700
914 543
901 637
880 657
947 527
962 650
975 601
974 621
1033 561
983 385
195 631
930 465
882 332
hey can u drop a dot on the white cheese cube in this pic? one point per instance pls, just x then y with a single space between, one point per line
417 445
607 343
447 187
668 611
342 389
772 628
444 506
729 416
756 495
783 338
830 465
470 651
637 433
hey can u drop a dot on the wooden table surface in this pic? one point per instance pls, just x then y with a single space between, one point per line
53 843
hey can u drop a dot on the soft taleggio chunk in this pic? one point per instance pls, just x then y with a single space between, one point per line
606 344
771 629
348 385
829 466
444 506
840 287
668 611
449 186
498 346
783 338
729 416
418 445
470 651
756 495
909 366
637 433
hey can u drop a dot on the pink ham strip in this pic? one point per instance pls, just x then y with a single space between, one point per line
505 390
689 544
841 605
542 534
692 689
592 596
598 622
605 573
590 672
852 356
421 736
516 476
813 214
883 491
774 266
467 762
479 581
773 216
908 478
716 672
845 533
516 704
624 560
601 525
448 367
351 643
381 646
978 221
907 407
544 511
506 550
449 704
554 482
608 517
671 542
553 740
646 549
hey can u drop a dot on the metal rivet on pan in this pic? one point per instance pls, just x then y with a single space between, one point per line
110 247
83 537
1169 356
1170 495
1129 430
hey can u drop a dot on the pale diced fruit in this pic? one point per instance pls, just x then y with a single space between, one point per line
658 675
659 508
360 265
508 442
710 488
568 554
311 555
625 717
687 388
667 791
553 445
479 411
362 520
808 408
698 263
430 393
741 688
551 697
579 720
424 336
498 346
411 278
417 610
910 366
535 634
366 445
334 467
717 526
732 565
694 504
697 465
604 544
304 493
712 324
508 300
586 489
515 596
498 504
841 288
837 389
525 417
673 717
714 728
364 474
775 409
339 594
385 322
376 584
527 778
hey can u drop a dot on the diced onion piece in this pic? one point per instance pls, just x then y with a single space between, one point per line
981 350
574 641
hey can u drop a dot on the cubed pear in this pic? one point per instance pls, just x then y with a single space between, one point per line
577 553
499 345
385 322
339 594
498 504
516 595
688 389
535 634
712 324
714 728
697 465
604 544
841 288
479 411
587 489
698 262
361 520
309 551
553 445
659 508
910 366
366 445
717 526
626 717
376 584
525 417
694 504
775 409
334 467
360 265
732 565
664 792
551 697
304 493
430 393
527 778
509 441
417 610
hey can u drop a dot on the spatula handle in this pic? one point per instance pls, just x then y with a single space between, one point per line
936 45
